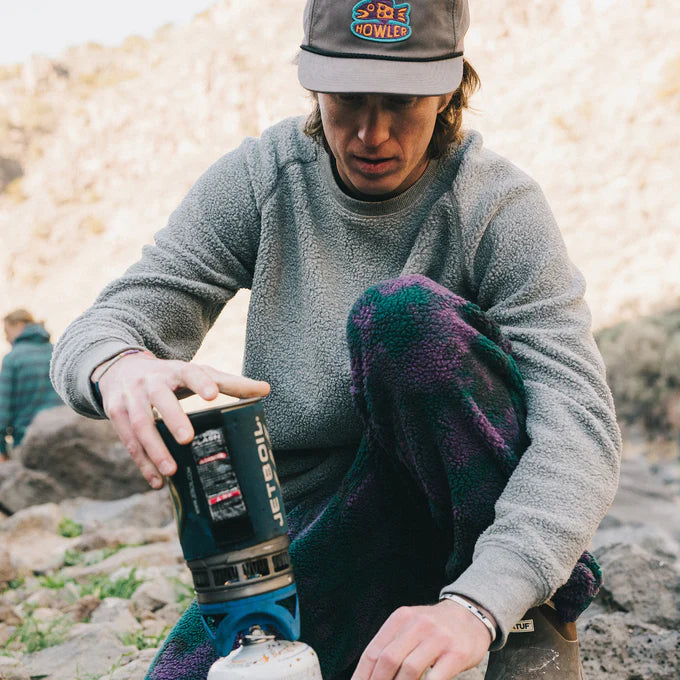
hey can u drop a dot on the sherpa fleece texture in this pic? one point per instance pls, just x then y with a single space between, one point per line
270 217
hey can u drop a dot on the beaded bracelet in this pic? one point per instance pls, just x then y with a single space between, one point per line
107 365
473 610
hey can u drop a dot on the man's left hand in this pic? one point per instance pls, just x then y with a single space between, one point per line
444 638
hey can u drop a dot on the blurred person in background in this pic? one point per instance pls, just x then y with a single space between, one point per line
444 435
25 387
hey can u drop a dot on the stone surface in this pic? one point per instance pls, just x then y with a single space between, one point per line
66 455
12 669
75 658
149 509
640 584
137 667
116 613
618 646
153 595
7 569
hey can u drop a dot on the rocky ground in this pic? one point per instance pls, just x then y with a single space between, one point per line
85 575
98 146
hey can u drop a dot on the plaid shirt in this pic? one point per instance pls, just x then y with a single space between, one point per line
25 386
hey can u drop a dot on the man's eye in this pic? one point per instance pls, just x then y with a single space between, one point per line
350 99
401 102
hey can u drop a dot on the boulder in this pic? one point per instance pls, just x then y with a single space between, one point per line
12 669
8 571
75 658
64 455
116 613
617 646
134 667
151 509
153 595
639 583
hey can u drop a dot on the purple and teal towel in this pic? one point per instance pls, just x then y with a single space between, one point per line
443 409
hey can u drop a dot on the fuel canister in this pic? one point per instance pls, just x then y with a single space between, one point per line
261 657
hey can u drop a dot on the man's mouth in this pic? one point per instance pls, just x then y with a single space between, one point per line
372 165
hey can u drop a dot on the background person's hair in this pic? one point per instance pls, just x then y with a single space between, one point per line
447 128
19 316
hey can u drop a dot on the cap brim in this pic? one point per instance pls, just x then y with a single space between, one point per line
320 73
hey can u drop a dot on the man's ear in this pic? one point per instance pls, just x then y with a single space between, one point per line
444 101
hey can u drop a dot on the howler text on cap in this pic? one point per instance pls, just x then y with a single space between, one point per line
411 48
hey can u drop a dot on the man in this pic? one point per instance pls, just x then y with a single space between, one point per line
466 448
25 387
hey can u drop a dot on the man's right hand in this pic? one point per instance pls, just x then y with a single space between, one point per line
138 383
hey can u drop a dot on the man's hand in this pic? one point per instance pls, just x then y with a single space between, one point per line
137 383
444 638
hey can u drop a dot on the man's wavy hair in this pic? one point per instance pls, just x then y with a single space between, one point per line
447 128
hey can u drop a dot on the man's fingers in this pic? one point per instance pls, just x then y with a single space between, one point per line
377 663
165 402
237 385
447 666
121 422
144 428
423 662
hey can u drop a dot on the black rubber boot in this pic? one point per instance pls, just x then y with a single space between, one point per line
539 647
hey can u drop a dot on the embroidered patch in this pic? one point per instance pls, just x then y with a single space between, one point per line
382 21
526 626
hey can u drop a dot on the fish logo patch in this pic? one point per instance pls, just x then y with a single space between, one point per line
381 21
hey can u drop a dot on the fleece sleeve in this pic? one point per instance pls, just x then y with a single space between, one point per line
170 298
567 477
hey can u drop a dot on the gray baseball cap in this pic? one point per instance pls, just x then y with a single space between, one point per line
411 48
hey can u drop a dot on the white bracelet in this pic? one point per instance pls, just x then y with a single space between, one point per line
473 610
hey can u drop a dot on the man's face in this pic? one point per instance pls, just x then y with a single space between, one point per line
13 331
379 141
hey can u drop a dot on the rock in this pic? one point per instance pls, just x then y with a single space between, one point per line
21 488
9 616
7 570
44 597
32 540
44 617
156 554
643 500
153 595
136 667
152 509
45 517
84 456
116 613
618 646
12 669
92 652
652 538
153 627
639 583
83 608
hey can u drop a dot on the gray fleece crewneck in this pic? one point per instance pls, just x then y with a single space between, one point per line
270 217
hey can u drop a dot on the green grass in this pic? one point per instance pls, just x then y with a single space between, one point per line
69 529
34 637
102 586
73 557
142 641
54 581
15 583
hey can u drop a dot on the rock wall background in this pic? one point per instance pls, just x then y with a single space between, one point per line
98 146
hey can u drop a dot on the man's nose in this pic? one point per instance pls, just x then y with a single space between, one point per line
374 126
